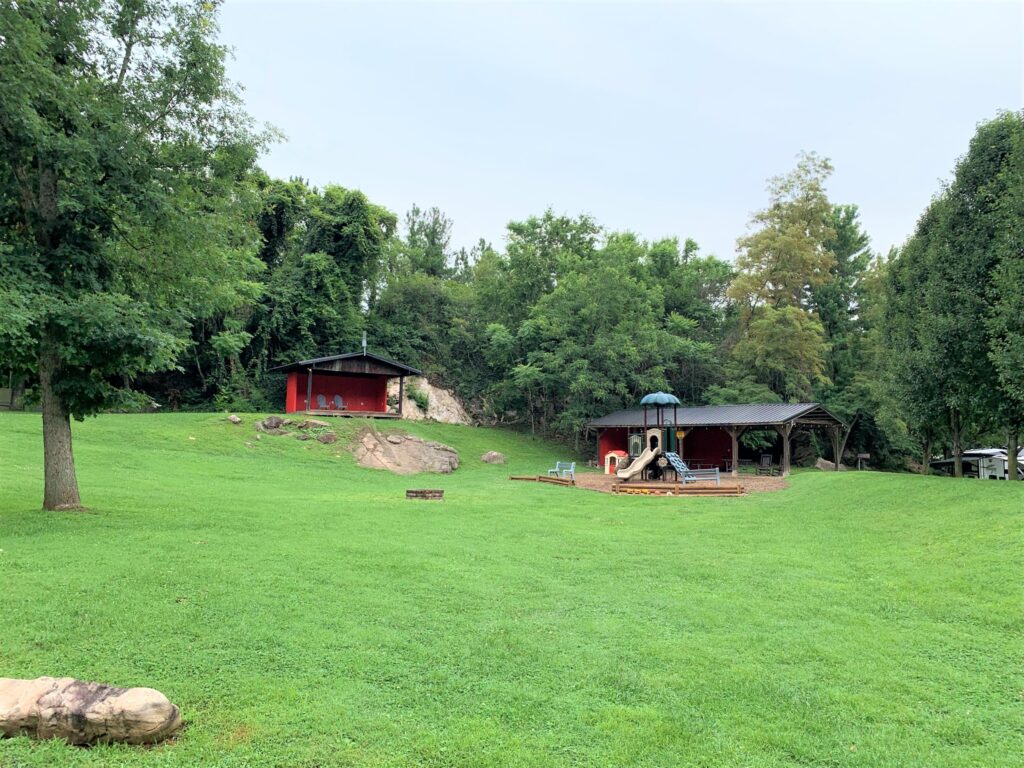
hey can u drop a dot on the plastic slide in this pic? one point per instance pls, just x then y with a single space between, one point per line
638 465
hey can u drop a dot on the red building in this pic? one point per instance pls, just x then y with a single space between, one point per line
354 384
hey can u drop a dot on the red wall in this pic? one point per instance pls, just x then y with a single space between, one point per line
291 394
360 393
708 445
611 439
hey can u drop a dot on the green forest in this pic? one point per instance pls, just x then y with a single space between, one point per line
146 259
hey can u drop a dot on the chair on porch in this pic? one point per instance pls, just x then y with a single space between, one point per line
339 404
321 403
765 467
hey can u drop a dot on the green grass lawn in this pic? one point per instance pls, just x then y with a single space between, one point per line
303 613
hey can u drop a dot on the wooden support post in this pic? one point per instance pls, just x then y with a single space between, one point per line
785 430
735 433
401 393
309 387
837 444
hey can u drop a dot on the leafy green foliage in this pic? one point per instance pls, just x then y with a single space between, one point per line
418 396
783 349
787 256
953 299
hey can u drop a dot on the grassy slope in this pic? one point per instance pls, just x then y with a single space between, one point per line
303 613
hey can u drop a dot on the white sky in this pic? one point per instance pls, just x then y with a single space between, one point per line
663 119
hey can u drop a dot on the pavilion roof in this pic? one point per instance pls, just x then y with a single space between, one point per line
745 415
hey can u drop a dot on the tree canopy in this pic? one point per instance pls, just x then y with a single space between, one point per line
124 197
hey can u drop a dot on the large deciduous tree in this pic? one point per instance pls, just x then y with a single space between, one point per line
781 263
786 256
954 299
123 199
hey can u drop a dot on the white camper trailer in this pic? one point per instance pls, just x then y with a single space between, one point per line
983 463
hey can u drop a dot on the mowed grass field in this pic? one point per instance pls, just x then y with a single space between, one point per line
303 613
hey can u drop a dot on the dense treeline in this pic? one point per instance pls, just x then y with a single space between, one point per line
143 251
919 350
567 321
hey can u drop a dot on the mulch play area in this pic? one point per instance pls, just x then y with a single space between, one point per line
594 481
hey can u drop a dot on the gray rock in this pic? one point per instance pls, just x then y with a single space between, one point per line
407 456
493 457
272 422
234 419
828 466
327 438
312 423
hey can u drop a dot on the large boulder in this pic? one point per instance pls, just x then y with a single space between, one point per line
827 466
272 422
85 713
442 404
493 457
403 454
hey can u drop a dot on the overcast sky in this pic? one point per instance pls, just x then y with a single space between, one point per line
663 119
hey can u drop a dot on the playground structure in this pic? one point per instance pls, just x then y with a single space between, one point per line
657 453
652 448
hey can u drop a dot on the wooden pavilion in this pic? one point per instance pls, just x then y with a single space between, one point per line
709 435
352 384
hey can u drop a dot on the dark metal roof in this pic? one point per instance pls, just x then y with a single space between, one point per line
408 370
747 415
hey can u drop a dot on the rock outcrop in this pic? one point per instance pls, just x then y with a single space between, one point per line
85 713
493 457
442 405
403 454
828 466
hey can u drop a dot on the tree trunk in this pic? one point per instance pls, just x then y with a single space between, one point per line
926 463
60 484
1012 446
958 452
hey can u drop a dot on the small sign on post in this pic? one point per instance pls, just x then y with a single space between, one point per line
861 458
